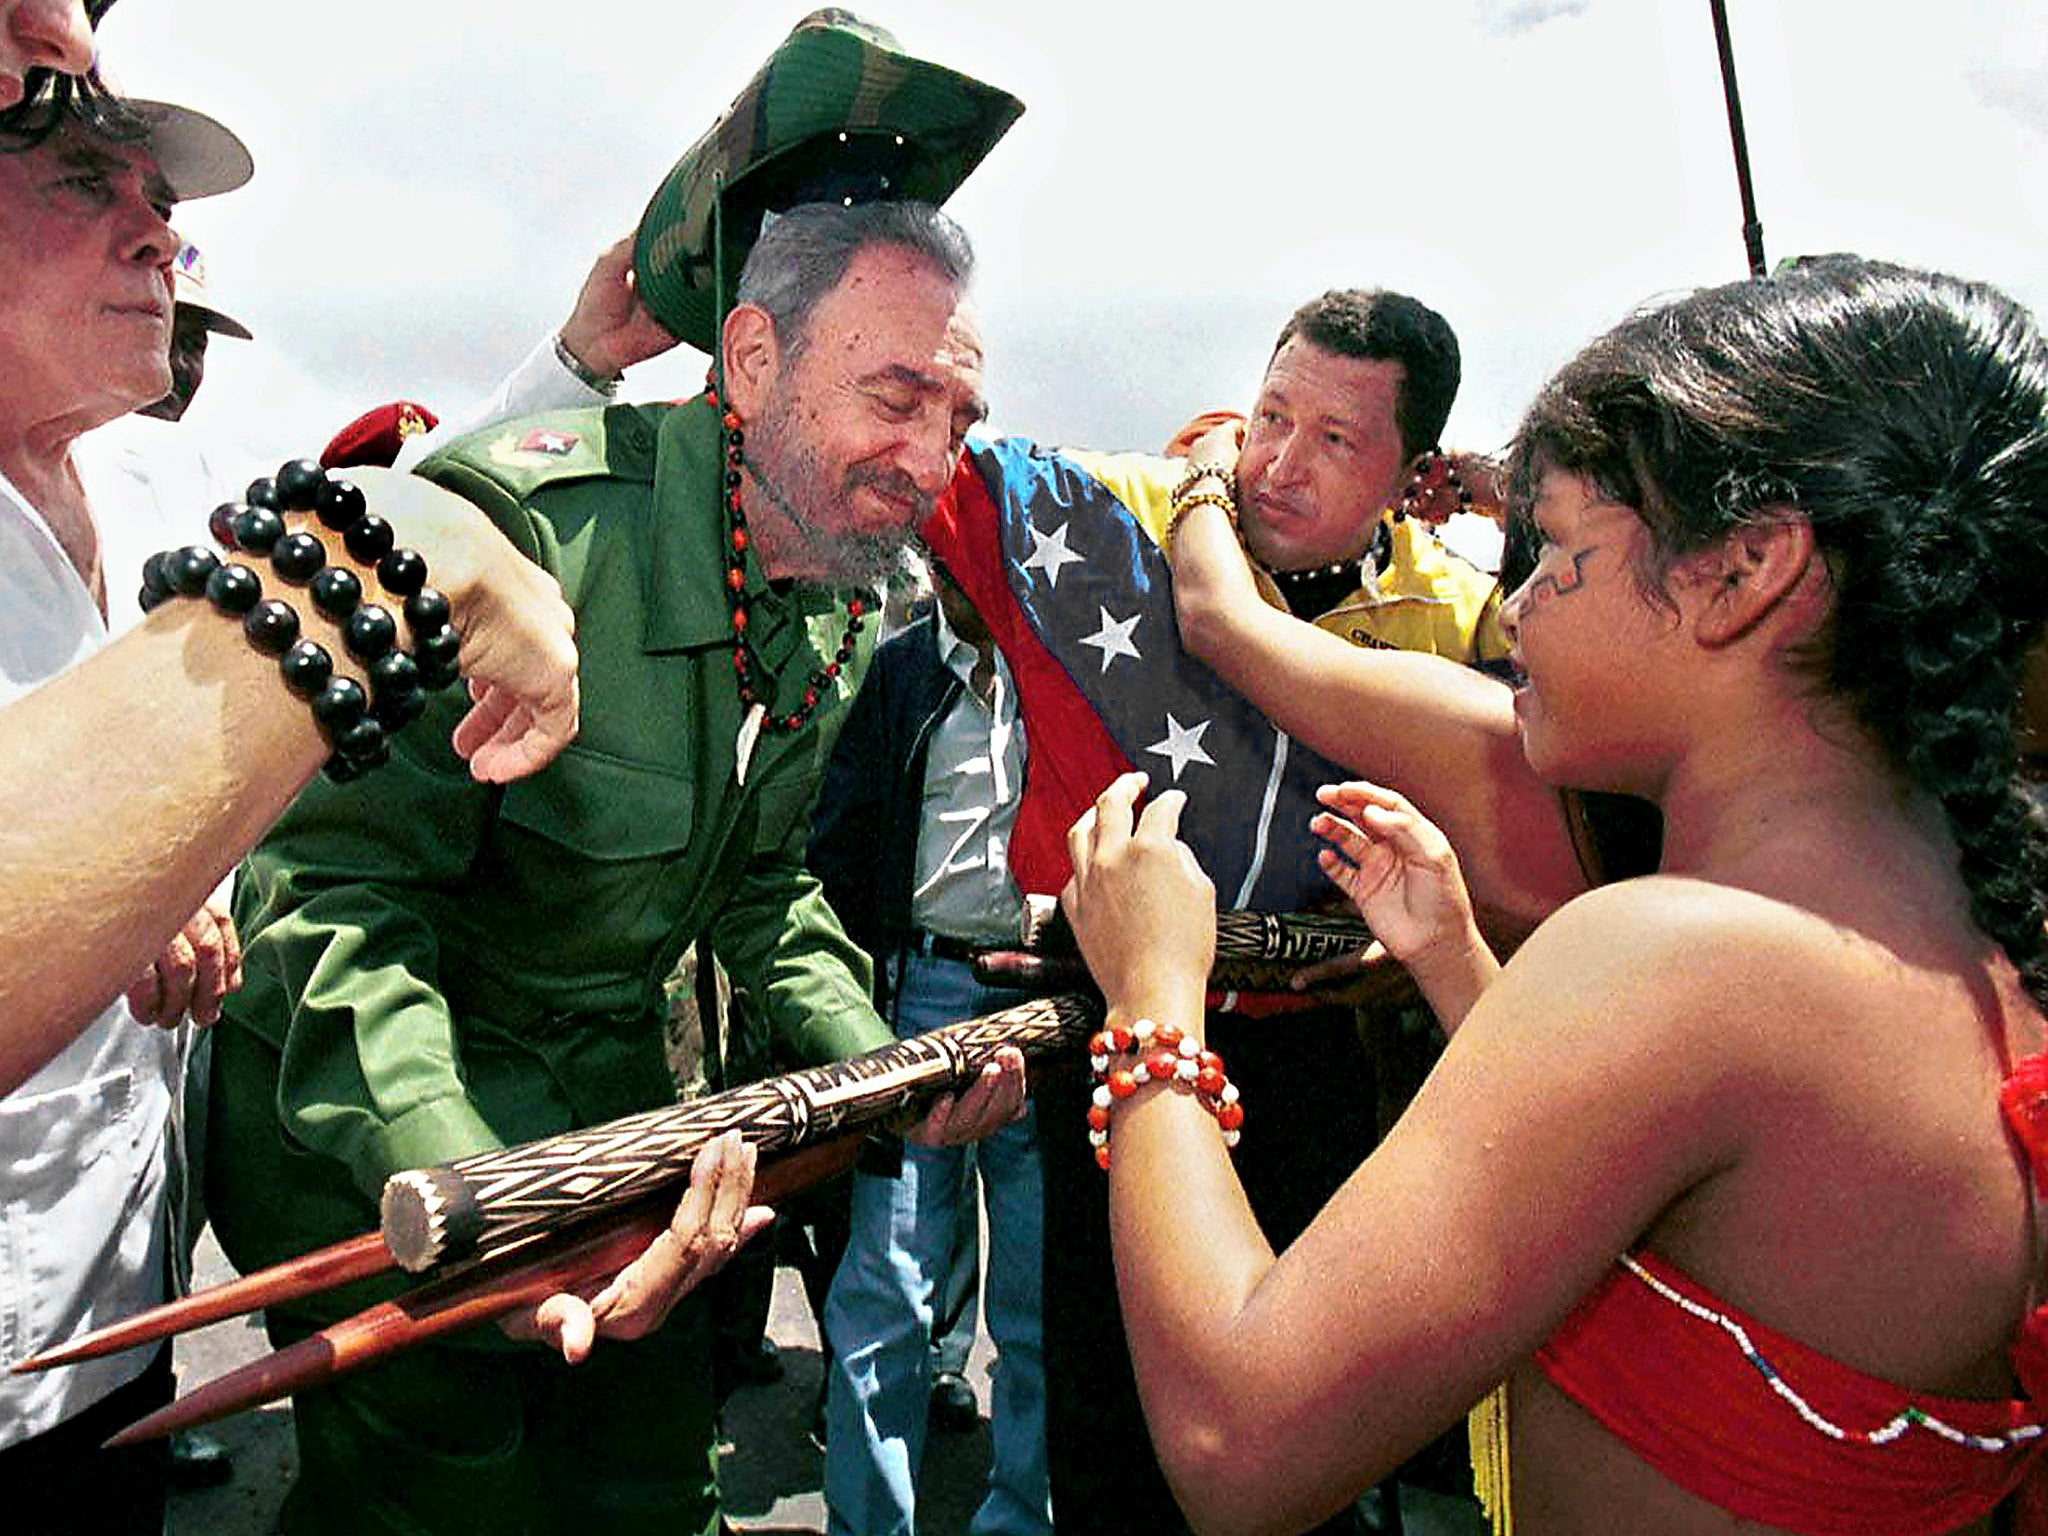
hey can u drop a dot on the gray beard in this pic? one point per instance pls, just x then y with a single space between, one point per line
791 476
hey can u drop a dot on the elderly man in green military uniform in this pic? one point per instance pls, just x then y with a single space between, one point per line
435 968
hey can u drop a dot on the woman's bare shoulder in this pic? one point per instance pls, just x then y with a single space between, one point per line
1684 964
1676 930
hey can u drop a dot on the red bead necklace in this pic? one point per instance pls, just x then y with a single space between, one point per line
736 594
1436 460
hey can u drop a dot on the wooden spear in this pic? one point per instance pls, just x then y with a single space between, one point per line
648 1152
1255 951
308 1275
434 1215
778 1115
579 1260
475 1205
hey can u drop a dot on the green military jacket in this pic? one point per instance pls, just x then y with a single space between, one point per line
438 966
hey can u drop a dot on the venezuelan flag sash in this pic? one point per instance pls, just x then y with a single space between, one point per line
1057 552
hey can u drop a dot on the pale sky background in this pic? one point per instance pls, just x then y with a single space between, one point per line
435 176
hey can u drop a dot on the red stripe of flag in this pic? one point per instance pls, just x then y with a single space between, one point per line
1071 758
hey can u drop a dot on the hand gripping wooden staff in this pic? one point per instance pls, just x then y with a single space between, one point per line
481 1203
1255 951
537 1236
573 1209
433 1215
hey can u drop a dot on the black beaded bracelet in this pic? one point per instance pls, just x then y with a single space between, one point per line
358 724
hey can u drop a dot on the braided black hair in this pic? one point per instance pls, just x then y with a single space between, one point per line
1905 415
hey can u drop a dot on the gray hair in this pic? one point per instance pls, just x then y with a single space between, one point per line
803 254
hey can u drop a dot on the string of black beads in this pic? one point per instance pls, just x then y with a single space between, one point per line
369 629
737 541
358 724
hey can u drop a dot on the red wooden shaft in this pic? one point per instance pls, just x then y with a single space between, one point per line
357 1259
587 1256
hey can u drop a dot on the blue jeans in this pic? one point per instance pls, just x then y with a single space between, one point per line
878 1316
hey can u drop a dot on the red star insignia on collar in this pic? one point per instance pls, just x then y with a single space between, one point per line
542 440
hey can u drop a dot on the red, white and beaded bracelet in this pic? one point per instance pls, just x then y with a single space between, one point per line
1164 1053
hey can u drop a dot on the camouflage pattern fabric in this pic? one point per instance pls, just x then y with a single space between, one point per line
838 111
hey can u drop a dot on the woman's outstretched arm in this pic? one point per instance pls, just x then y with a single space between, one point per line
1554 1130
1439 732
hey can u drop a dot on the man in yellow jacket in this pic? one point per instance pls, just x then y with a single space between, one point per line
1339 485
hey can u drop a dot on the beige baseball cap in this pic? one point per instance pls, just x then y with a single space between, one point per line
191 290
198 156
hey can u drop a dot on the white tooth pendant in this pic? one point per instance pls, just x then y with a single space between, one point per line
743 744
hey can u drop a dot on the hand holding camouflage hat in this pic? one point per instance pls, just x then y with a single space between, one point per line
838 113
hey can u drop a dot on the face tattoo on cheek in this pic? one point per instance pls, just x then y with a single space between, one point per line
1544 587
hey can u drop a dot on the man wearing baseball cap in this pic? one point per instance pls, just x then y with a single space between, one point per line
195 320
436 968
85 329
148 474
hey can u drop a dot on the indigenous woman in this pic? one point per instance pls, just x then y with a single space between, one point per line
1730 1174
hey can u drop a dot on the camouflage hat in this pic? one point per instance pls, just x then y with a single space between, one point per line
839 112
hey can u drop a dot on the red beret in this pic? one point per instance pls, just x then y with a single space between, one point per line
376 436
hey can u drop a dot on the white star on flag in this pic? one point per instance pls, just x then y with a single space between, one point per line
1114 638
1183 745
1049 552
